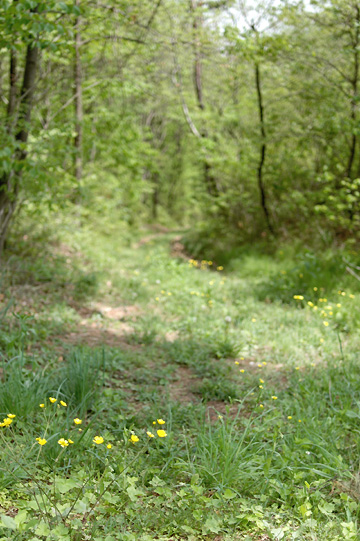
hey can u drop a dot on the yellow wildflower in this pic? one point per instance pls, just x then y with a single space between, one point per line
261 387
109 446
77 421
150 434
11 416
63 403
274 397
6 422
52 399
42 405
161 433
63 442
261 406
242 370
98 440
70 441
161 421
299 297
41 441
326 323
289 417
133 438
261 380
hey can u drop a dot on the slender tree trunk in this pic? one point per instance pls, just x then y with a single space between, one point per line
9 184
78 101
210 181
155 195
12 90
263 197
354 85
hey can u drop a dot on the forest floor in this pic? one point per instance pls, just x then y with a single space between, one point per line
259 391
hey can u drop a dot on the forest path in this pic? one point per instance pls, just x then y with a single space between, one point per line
192 332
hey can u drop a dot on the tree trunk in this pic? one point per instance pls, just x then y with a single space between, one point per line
9 184
210 181
12 90
263 198
78 102
354 85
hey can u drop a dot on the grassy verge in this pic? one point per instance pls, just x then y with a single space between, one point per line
253 367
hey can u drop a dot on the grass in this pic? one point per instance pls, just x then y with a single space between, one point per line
260 392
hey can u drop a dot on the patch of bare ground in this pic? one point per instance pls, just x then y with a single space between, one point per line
215 408
178 249
180 387
95 335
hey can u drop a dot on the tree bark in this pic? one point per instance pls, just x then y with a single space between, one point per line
78 101
12 89
210 181
263 197
9 184
354 85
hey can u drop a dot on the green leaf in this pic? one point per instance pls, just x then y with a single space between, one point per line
42 529
212 524
229 494
64 485
8 522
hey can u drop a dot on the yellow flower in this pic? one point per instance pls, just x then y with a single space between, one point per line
42 405
261 380
161 421
220 268
150 434
261 406
310 304
315 288
338 305
261 387
98 440
11 416
253 319
52 400
297 368
63 403
77 421
161 433
63 442
133 438
299 297
237 362
242 370
6 421
154 422
41 441
289 417
260 365
264 363
109 446
274 397
352 296
326 323
299 421
70 441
